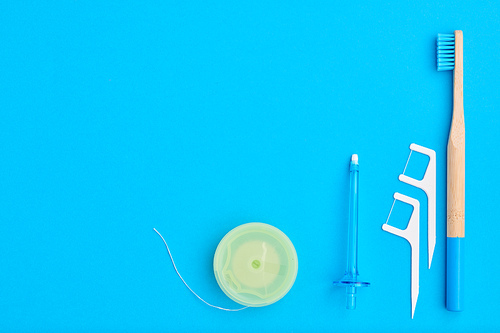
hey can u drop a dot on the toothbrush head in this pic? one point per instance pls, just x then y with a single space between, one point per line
445 52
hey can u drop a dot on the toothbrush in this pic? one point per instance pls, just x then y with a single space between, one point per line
450 57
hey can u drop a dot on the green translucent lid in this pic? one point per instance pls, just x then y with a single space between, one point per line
255 264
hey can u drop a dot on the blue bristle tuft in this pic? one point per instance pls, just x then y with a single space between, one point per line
445 52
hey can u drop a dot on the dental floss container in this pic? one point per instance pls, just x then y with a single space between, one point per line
255 264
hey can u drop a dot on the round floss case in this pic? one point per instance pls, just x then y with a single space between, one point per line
255 264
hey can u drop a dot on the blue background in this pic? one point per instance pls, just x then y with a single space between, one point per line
197 117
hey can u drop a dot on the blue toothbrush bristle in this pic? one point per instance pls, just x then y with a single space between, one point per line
445 52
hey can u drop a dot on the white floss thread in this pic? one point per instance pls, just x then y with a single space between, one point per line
394 201
179 274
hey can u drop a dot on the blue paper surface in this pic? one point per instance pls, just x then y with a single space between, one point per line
194 118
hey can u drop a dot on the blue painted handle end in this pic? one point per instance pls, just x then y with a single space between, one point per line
454 273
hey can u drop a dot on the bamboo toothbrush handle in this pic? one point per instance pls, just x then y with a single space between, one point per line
456 188
456 149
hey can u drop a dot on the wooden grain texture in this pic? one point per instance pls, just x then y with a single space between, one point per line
456 149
